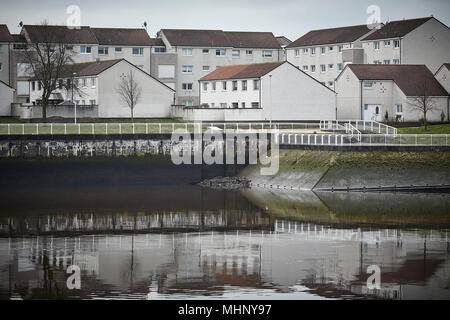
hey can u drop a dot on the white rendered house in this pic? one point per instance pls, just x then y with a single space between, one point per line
97 95
367 92
412 41
276 91
443 76
6 98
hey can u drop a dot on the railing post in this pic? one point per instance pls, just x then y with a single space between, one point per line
120 128
173 127
37 128
132 127
79 128
65 129
92 129
106 129
146 128
185 127
9 129
23 128
159 128
51 128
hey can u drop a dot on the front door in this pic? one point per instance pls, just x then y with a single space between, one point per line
372 112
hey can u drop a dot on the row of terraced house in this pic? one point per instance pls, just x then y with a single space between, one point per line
185 72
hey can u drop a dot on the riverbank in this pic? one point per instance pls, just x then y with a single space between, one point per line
314 170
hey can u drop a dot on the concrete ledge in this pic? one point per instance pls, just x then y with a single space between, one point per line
365 148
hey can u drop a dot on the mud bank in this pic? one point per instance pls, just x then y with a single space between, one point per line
316 170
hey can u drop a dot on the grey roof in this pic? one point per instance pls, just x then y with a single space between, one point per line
121 36
396 29
5 36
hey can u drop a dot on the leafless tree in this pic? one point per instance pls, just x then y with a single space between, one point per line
423 103
129 91
46 60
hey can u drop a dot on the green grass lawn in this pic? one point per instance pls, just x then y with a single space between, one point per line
10 120
433 129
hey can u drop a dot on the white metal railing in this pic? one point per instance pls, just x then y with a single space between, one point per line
366 139
355 127
350 129
361 125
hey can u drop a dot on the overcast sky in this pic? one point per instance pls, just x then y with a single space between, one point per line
291 18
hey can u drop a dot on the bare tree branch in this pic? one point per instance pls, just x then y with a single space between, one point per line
423 103
129 91
46 60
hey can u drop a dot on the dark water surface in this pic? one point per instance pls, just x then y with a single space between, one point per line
157 236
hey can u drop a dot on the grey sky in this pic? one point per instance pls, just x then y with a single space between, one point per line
291 18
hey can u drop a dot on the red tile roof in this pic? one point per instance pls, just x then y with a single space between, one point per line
411 79
330 36
241 71
121 36
396 29
5 36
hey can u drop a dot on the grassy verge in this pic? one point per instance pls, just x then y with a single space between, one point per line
433 129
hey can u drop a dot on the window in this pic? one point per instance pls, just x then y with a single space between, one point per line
313 68
331 66
267 53
313 51
138 51
223 105
186 69
243 104
396 61
205 68
331 48
322 50
85 49
1 66
213 85
387 61
235 85
224 85
33 86
92 102
396 43
368 84
60 84
160 49
19 46
399 108
1 48
376 45
93 82
102 50
249 52
255 84
118 49
221 52
322 68
340 66
376 62
84 81
166 71
330 83
340 48
236 53
39 85
255 104
235 105
305 68
305 50
244 85
186 86
188 103
387 43
205 86
297 52
205 51
68 48
23 88
186 52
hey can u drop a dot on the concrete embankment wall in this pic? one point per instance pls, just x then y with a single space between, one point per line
315 170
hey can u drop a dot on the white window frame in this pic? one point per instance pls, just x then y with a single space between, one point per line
267 54
323 68
249 52
238 55
395 44
305 50
313 68
84 49
105 51
93 83
396 61
185 86
305 68
376 45
256 84
186 52
313 51
297 52
187 69
396 108
233 87
205 70
244 85
330 48
323 50
387 43
118 49
205 51
221 52
330 66
140 51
